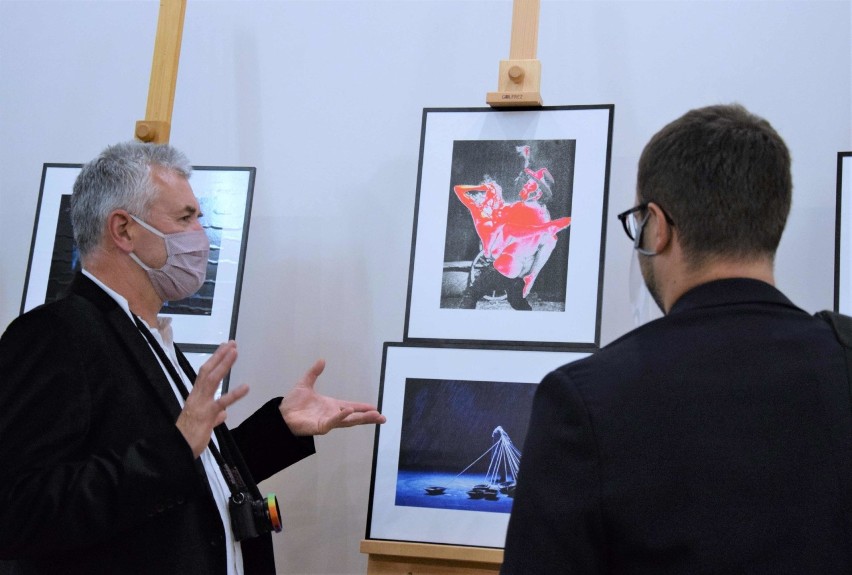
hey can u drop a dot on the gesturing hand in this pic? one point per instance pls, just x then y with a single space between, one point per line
308 413
201 412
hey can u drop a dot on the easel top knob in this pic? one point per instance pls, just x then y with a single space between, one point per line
519 79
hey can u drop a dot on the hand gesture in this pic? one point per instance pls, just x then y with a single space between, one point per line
308 413
201 412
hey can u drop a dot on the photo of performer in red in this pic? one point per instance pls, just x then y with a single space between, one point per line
516 237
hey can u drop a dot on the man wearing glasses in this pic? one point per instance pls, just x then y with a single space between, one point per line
717 439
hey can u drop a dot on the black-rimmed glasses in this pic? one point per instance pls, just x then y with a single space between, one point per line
634 227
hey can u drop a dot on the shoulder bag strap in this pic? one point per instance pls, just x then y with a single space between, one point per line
842 327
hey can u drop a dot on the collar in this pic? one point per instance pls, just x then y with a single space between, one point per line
163 323
730 291
119 299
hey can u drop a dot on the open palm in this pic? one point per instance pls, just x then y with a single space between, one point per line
306 412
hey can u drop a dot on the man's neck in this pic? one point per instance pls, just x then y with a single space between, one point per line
125 278
759 269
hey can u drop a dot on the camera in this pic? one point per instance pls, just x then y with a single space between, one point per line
252 517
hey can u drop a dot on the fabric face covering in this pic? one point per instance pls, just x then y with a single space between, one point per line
186 263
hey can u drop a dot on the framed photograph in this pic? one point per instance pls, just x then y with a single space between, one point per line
208 317
445 463
843 238
509 218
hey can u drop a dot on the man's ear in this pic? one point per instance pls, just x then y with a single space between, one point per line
118 232
662 232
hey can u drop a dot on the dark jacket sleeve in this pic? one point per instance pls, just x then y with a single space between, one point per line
555 525
67 480
266 443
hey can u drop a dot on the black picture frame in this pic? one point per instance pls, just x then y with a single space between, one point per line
515 251
444 404
843 236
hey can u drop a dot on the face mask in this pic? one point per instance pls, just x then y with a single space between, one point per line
186 263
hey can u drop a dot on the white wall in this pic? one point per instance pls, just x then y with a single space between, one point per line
325 99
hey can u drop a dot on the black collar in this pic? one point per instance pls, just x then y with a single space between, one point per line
728 292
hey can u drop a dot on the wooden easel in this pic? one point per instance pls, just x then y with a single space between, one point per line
518 86
157 125
398 558
519 81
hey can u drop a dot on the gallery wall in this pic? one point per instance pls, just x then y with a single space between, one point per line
325 99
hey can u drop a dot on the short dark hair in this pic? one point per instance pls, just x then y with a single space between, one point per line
723 175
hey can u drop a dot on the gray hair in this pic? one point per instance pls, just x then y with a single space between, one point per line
119 178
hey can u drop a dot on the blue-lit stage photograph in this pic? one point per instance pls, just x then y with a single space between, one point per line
460 445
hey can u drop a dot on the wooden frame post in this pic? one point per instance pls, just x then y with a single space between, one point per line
519 80
402 558
157 125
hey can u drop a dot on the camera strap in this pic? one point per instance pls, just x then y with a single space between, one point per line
229 472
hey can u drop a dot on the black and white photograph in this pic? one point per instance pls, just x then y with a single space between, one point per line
507 218
509 226
445 463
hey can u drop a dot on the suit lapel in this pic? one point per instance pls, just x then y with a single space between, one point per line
131 339
138 352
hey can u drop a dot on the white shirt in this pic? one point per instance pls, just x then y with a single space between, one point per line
221 492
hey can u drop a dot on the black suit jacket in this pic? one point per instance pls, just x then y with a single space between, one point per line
94 475
717 439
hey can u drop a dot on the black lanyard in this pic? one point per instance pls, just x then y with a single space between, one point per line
229 472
